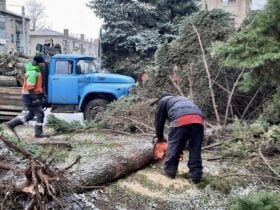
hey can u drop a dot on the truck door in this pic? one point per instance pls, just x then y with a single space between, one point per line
64 84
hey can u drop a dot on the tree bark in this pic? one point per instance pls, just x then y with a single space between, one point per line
110 167
8 81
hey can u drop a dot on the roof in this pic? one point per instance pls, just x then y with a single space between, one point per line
45 32
72 56
7 12
52 33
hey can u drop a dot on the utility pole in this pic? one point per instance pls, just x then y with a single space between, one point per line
23 29
100 49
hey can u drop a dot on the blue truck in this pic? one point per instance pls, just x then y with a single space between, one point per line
72 84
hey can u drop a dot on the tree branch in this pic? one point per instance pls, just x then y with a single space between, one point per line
208 75
249 104
231 94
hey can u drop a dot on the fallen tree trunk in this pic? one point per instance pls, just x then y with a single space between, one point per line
110 167
119 162
113 159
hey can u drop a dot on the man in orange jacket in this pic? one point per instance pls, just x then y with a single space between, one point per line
186 122
32 93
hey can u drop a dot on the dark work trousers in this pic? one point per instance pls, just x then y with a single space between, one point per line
177 140
33 110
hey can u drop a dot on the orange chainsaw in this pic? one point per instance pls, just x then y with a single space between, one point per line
160 149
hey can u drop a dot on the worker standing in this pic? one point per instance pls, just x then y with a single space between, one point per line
186 122
32 96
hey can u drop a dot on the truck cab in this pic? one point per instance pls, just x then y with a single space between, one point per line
75 85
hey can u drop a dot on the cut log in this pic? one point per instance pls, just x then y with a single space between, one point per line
8 81
11 90
114 165
13 65
20 66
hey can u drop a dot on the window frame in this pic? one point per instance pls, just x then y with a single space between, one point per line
69 62
226 2
94 64
13 38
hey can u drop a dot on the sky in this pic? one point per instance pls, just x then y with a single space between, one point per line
76 16
258 4
66 14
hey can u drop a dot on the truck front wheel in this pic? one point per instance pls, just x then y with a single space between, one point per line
93 107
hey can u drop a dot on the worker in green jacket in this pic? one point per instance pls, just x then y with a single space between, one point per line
32 96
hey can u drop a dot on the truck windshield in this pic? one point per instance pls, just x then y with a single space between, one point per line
86 67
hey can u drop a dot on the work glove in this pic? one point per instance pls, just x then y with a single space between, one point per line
158 140
161 140
35 100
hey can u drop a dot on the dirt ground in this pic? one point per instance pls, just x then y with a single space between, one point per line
146 188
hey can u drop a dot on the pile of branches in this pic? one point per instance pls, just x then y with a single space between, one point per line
42 183
12 69
257 147
132 115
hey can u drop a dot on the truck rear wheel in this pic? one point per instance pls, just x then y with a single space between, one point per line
93 107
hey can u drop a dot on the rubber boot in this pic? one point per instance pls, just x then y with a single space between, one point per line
13 123
39 132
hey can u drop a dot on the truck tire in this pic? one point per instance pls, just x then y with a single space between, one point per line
93 107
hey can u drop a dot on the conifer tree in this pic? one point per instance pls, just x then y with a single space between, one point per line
134 29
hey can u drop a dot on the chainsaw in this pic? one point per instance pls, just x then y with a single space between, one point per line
160 149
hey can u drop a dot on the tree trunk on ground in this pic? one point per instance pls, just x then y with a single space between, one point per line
110 167
8 81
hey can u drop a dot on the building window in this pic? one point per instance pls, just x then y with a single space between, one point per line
2 27
63 67
39 49
12 38
19 42
228 1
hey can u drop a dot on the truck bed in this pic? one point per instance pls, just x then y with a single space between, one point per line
10 102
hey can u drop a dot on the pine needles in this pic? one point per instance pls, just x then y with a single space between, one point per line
258 201
62 126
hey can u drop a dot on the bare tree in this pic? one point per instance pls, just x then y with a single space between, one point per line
36 12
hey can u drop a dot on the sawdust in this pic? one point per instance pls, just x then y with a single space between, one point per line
166 182
138 188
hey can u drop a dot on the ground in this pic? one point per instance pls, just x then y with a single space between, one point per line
146 188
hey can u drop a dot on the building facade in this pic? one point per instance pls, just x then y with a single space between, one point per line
238 8
66 43
11 31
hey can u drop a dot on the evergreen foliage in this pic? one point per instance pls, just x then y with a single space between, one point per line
257 46
258 201
185 53
61 126
185 50
134 29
